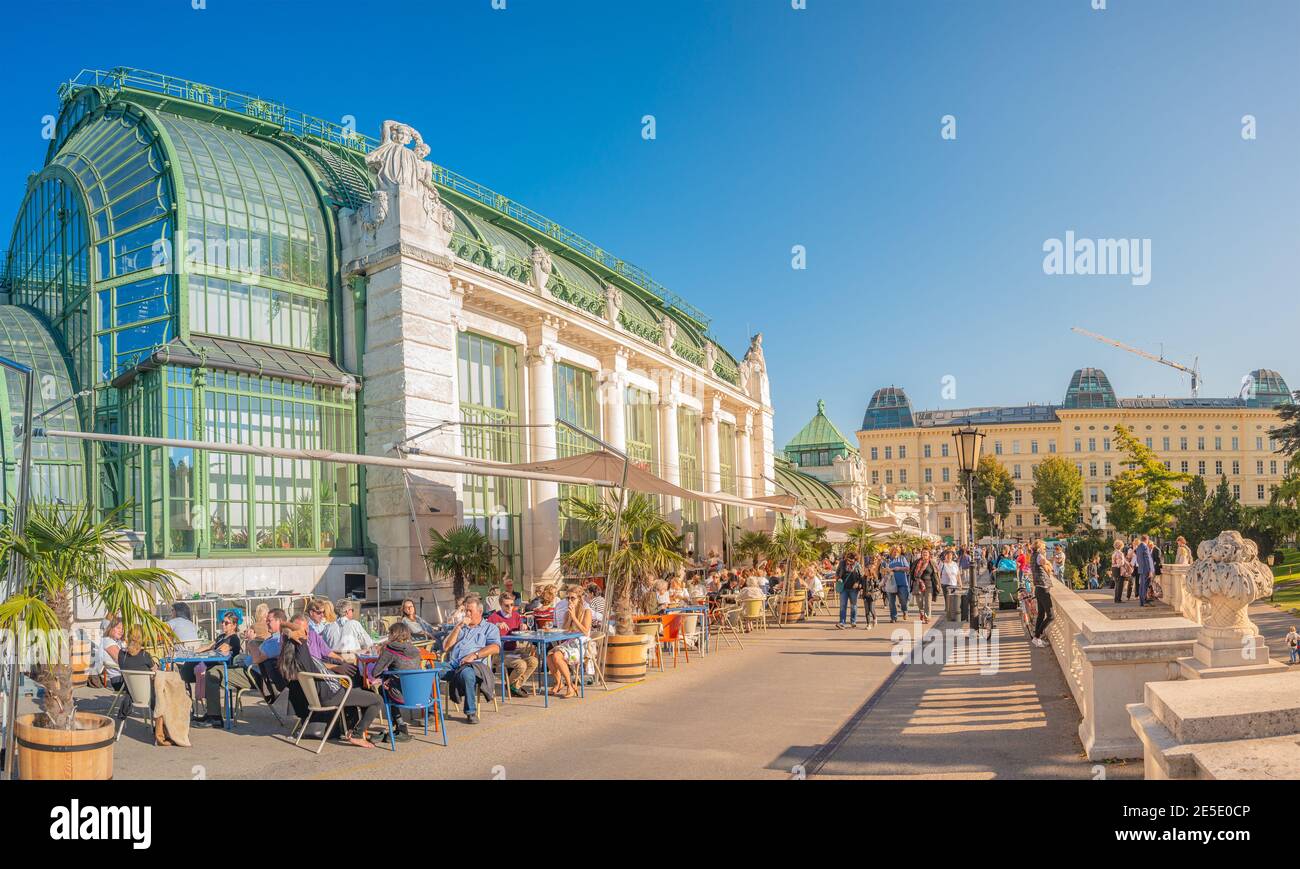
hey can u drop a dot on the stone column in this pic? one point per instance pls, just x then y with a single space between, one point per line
543 521
613 399
745 464
712 529
398 241
669 454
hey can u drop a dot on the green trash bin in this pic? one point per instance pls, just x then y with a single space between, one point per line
1008 589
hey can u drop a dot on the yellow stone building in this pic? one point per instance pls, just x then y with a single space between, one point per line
911 455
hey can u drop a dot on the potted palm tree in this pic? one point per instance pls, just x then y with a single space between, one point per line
646 545
754 545
797 547
462 552
68 555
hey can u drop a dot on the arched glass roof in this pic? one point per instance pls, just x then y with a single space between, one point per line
58 472
1269 389
249 204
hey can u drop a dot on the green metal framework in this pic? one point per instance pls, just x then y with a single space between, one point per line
173 244
575 403
689 470
642 429
490 393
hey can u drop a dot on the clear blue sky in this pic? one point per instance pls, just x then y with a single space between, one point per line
819 127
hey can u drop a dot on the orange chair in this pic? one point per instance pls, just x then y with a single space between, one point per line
672 633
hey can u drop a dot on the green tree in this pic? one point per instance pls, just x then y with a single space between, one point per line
462 552
1058 493
1191 514
753 545
862 540
1145 495
1222 511
647 546
69 555
991 478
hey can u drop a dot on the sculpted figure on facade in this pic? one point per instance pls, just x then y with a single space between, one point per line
669 332
613 303
542 267
710 356
397 166
754 355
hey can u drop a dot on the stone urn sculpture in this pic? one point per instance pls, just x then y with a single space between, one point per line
1227 577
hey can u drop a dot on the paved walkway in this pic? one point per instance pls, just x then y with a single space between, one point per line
1007 714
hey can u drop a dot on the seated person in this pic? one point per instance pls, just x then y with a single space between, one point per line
420 629
398 653
695 590
544 611
595 599
753 590
264 654
469 646
345 634
491 603
677 594
321 650
227 644
296 657
182 623
521 660
134 657
577 619
105 668
663 599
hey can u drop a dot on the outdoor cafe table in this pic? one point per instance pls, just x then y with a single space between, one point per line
227 713
704 615
542 639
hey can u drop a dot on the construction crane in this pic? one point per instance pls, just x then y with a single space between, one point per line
1194 371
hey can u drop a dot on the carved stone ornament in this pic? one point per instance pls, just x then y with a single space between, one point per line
669 332
1228 576
754 356
710 356
397 166
613 303
542 266
375 212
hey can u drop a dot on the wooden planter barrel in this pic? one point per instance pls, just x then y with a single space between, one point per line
625 657
80 653
83 754
794 605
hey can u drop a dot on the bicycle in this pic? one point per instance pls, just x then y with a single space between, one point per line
1028 607
985 615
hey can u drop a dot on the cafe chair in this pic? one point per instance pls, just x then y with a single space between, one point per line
653 627
136 693
753 612
307 682
672 635
722 624
415 684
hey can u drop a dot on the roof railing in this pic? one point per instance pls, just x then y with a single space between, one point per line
305 125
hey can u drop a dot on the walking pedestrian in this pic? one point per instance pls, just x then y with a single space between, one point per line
924 579
1041 570
1145 568
1119 568
849 575
901 590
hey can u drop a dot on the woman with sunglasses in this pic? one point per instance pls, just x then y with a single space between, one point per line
564 658
208 684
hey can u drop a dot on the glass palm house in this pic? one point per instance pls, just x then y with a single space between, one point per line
175 265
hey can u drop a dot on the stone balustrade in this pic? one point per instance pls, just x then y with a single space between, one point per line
1107 664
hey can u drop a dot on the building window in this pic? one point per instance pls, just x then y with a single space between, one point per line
925 451
889 452
875 478
1105 445
489 393
944 473
1078 445
1148 443
576 404
1105 469
1200 444
947 496
1236 467
1272 468
902 476
1092 445
643 429
1218 444
902 452
1092 494
947 522
928 475
1259 468
1020 519
1235 442
1017 497
727 458
943 450
1259 444
1182 444
1092 469
997 448
1236 491
1033 447
1218 468
1015 448
1015 472
874 454
1164 444
889 478
1200 468
689 468
1259 492
1051 446
1183 466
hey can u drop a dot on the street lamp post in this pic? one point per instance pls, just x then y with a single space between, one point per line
969 439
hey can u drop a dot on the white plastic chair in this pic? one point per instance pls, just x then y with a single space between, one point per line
307 681
137 693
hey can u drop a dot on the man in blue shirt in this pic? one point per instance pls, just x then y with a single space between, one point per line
1146 566
469 647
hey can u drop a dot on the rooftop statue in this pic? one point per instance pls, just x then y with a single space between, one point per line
394 164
